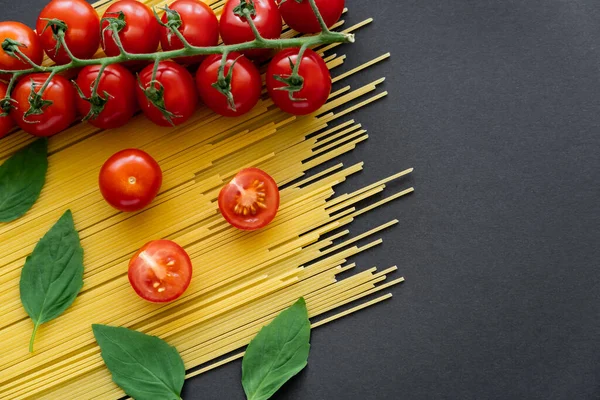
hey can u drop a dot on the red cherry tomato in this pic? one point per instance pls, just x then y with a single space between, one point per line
130 180
160 271
141 32
56 116
250 201
245 84
236 29
32 47
6 122
83 29
199 26
316 84
300 16
180 98
116 87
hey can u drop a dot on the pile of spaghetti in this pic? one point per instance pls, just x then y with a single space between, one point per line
241 281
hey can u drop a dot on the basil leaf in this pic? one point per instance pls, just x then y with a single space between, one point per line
22 177
277 353
144 366
53 274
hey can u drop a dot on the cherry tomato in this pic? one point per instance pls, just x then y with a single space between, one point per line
32 47
56 116
180 98
250 201
199 26
6 122
236 29
82 34
300 16
130 180
141 32
245 84
160 271
116 87
316 81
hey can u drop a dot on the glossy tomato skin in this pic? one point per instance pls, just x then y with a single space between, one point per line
130 180
235 29
245 84
200 27
160 271
300 16
180 97
56 117
120 85
251 200
25 35
141 33
317 81
83 29
6 122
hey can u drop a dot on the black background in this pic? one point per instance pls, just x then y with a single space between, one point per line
497 106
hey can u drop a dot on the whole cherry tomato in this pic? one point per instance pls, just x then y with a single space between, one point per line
160 271
197 23
6 122
139 31
130 180
300 17
251 200
82 29
176 87
315 82
244 84
57 104
115 103
29 45
236 29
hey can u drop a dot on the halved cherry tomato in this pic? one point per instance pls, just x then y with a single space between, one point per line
236 29
21 33
199 26
245 84
56 116
6 122
82 34
300 17
141 30
130 180
251 200
117 87
316 84
160 271
177 86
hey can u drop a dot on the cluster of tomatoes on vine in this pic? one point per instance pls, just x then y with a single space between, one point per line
109 94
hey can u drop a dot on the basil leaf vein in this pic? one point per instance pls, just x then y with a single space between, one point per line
53 274
144 366
277 353
22 177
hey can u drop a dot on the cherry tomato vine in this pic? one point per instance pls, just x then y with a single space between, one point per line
152 88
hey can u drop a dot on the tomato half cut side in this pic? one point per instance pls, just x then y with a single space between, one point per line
251 200
160 271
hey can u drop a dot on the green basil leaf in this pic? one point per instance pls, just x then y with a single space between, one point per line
144 366
277 353
53 274
22 177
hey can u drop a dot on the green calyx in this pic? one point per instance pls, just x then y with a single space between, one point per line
115 24
245 5
6 106
97 102
12 48
293 83
156 96
58 27
36 103
174 21
223 83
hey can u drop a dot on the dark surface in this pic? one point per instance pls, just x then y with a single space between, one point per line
497 106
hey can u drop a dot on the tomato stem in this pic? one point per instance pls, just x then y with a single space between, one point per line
317 13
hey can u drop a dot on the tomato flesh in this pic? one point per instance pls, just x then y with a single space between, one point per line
130 180
32 47
160 271
251 200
